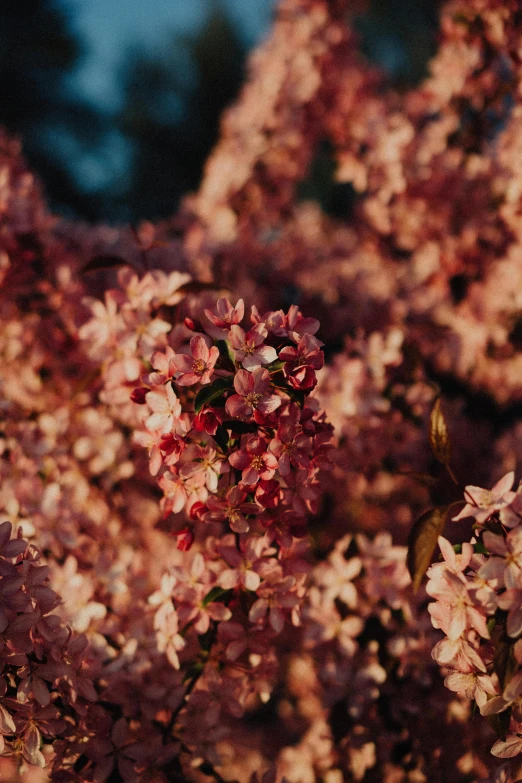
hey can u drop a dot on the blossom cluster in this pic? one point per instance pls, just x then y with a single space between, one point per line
478 606
360 686
236 444
47 676
232 436
451 270
161 447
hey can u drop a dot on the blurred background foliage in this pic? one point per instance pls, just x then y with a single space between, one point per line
135 157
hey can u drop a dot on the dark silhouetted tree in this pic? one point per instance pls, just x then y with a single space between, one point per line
173 103
38 51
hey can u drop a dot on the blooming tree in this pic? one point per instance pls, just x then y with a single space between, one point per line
198 580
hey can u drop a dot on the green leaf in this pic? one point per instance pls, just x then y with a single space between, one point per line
224 350
275 366
504 663
239 427
213 595
212 392
298 396
479 548
221 438
206 639
500 723
422 541
193 671
438 435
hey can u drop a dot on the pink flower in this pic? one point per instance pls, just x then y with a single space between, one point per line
166 409
298 326
232 509
472 685
237 639
101 331
150 440
307 352
482 503
336 577
508 748
291 446
459 653
184 539
163 362
245 565
224 316
199 367
455 611
274 321
169 640
511 602
171 447
179 492
207 421
274 596
252 395
511 697
208 465
292 324
255 461
249 349
189 591
268 493
510 549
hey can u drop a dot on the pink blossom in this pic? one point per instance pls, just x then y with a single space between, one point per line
181 492
268 493
244 565
300 362
184 538
455 610
163 363
199 367
291 446
252 395
224 316
482 503
472 685
460 654
232 509
208 465
508 748
255 461
249 348
237 639
510 550
510 697
298 326
511 602
166 410
275 595
169 640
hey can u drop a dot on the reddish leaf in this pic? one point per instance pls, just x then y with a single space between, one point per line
423 540
438 435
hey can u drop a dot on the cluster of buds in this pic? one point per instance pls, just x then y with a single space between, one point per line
478 605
